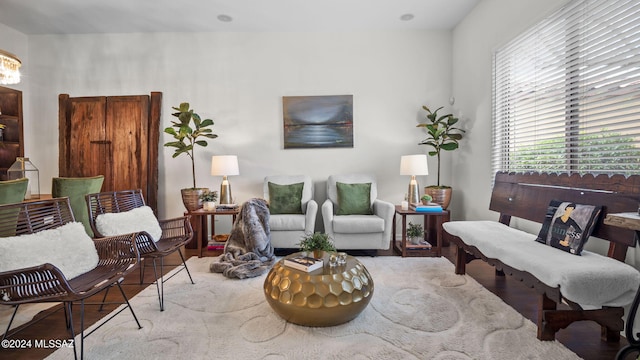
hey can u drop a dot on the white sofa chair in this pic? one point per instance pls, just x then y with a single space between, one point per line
356 229
287 229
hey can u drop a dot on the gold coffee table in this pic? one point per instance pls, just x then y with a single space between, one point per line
324 297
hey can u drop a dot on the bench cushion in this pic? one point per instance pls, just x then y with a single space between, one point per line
67 247
591 280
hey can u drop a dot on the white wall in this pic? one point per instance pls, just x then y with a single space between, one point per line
491 24
238 80
16 42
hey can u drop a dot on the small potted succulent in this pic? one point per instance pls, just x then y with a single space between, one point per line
316 243
208 199
426 199
415 233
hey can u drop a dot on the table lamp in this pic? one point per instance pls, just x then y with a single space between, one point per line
225 165
413 165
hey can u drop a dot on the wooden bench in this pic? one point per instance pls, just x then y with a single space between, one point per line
527 196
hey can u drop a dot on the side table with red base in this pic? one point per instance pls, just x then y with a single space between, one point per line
432 222
201 225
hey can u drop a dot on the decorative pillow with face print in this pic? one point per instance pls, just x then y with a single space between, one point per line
567 226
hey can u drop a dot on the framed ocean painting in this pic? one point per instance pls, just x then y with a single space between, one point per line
318 121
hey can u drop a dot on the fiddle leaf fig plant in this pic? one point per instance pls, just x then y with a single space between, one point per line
441 133
188 131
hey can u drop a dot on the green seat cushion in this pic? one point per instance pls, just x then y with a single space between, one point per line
76 189
285 199
354 199
13 191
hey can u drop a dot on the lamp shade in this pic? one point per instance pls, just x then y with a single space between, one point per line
414 165
224 165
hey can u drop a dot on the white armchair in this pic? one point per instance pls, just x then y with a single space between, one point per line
289 226
349 227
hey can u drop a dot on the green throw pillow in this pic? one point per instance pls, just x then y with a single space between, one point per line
285 199
354 199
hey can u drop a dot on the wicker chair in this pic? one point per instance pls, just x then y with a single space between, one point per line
46 283
176 232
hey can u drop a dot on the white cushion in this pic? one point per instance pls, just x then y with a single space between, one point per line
357 224
126 222
591 280
286 222
68 247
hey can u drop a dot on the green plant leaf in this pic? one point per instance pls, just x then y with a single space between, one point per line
183 107
184 117
177 144
206 122
442 118
449 146
201 142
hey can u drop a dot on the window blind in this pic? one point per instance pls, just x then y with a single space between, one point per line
566 93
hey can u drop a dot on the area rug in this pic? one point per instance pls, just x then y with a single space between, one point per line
420 310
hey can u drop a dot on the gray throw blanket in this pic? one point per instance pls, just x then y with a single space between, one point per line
248 251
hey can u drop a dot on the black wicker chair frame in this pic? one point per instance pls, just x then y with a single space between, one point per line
46 283
176 232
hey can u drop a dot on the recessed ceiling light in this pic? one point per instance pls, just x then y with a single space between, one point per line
406 17
225 18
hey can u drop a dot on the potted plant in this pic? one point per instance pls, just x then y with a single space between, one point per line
208 199
316 243
415 233
188 131
426 199
441 135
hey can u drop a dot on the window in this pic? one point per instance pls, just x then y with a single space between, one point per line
566 93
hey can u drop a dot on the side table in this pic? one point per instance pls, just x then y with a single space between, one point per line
629 221
432 222
199 222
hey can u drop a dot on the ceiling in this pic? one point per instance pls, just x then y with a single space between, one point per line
126 16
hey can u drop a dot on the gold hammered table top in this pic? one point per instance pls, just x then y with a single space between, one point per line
323 297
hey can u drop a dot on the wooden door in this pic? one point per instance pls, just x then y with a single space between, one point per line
115 136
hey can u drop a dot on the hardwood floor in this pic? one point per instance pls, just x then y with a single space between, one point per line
583 338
